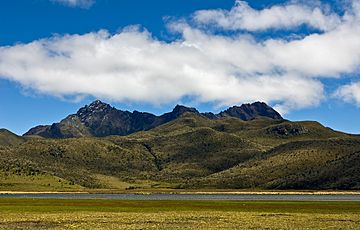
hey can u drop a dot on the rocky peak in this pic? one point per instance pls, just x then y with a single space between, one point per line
250 111
180 109
96 107
175 113
100 119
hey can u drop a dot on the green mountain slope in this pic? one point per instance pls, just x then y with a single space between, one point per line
191 151
315 164
19 173
8 138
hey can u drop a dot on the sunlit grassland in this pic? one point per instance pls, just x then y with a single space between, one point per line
118 214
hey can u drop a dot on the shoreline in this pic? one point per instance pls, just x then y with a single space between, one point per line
42 192
214 192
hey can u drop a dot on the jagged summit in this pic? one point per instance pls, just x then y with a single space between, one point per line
94 106
180 109
250 111
101 119
97 107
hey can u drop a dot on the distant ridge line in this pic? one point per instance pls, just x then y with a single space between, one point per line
99 119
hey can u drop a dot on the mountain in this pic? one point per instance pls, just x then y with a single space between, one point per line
100 119
191 151
237 148
250 111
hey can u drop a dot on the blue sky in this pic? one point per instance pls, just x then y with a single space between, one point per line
56 56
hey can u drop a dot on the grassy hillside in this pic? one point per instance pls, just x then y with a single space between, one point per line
315 164
8 138
81 160
191 151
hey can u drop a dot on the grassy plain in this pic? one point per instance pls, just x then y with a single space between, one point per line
19 213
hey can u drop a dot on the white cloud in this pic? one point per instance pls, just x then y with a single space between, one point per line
287 16
349 93
76 3
131 65
328 54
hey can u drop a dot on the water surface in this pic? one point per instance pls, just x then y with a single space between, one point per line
279 197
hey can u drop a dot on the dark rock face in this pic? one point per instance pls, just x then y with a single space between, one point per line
175 113
286 130
250 111
38 129
210 115
100 119
103 120
47 131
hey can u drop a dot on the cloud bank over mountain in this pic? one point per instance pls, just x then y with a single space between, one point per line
202 63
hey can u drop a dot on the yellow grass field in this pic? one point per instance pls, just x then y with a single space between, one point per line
19 213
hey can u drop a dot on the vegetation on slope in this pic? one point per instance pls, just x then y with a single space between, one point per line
8 138
194 151
320 164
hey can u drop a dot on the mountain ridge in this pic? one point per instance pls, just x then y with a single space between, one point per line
99 119
190 151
